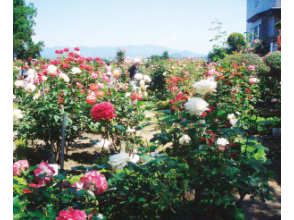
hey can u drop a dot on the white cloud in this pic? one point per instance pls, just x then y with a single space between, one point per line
168 40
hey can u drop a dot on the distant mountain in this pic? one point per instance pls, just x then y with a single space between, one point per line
132 51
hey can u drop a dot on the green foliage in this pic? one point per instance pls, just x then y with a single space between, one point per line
23 46
248 59
273 60
165 55
120 56
278 25
236 41
217 53
155 58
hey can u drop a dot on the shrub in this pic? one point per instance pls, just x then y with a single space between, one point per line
273 60
217 54
248 59
236 41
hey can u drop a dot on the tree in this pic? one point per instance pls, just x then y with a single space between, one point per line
236 41
23 45
165 55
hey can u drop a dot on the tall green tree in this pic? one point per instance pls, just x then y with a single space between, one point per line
23 45
165 55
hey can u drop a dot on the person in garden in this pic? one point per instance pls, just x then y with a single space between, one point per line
133 69
27 74
108 70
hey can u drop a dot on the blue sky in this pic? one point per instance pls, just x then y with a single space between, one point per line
177 24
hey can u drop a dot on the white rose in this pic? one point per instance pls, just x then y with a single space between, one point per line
51 69
37 95
238 113
138 76
44 78
205 86
134 158
222 142
185 139
64 77
196 106
129 130
134 88
17 114
19 83
145 94
14 97
118 161
146 78
75 70
103 143
30 87
233 120
142 83
128 94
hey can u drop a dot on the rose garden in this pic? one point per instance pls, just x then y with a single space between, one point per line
184 141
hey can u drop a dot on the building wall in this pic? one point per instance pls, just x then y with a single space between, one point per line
266 23
263 5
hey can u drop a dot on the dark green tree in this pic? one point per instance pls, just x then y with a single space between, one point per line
165 55
236 41
23 45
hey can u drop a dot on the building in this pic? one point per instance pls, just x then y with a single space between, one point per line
262 15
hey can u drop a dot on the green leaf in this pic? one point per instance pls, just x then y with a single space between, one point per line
146 157
142 200
234 171
120 127
218 201
220 113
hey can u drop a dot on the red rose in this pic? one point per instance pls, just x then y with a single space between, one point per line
203 114
42 61
71 54
66 66
89 59
83 66
247 90
103 110
66 49
30 58
97 59
101 63
77 49
250 97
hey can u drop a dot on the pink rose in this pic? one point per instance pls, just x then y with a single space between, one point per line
44 168
72 215
95 181
20 166
94 75
251 67
253 80
100 85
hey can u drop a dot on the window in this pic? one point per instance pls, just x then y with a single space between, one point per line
255 33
